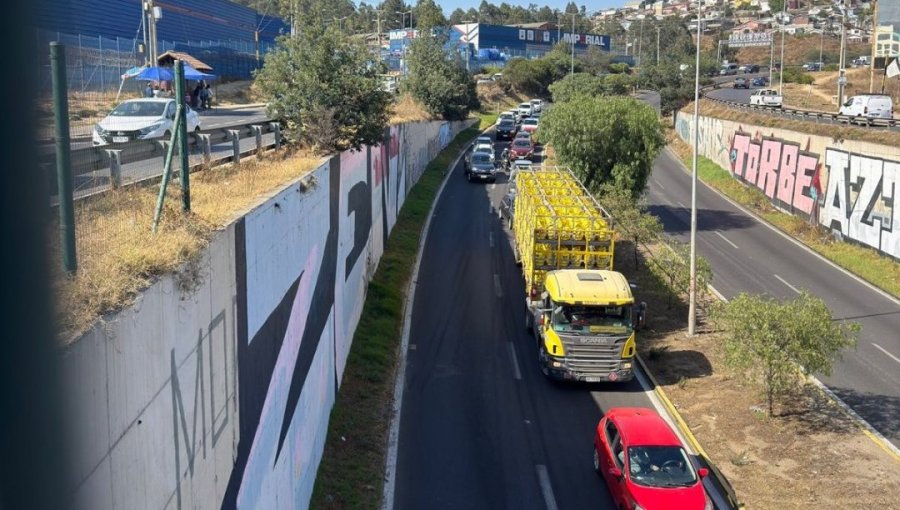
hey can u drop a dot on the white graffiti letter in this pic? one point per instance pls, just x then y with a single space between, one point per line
834 213
865 174
890 238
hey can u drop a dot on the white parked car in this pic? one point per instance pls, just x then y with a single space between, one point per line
766 97
536 106
141 119
870 106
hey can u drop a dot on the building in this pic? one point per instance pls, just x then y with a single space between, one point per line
480 44
887 41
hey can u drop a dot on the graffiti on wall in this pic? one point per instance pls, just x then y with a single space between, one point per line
303 263
854 195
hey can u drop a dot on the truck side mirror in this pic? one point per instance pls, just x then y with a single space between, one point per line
639 316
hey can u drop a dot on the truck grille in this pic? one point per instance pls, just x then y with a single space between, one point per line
593 358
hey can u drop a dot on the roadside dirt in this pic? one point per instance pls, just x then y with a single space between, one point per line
810 456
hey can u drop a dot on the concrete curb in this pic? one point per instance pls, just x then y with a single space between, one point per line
723 484
866 427
390 472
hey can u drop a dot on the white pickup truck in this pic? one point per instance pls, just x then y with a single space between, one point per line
766 97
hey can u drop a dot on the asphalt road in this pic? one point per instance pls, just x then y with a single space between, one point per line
480 426
747 256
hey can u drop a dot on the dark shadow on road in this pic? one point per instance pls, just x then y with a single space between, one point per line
677 220
881 411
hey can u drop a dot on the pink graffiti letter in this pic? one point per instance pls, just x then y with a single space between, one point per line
740 146
768 167
789 154
752 163
806 167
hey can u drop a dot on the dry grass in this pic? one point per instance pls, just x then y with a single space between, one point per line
797 48
494 99
236 93
834 131
118 255
408 109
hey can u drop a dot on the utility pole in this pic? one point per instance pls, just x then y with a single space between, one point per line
657 45
641 43
692 309
781 73
874 45
771 57
841 71
572 36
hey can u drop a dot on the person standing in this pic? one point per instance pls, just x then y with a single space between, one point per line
195 97
148 90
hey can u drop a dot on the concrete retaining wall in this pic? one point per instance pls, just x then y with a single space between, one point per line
850 187
214 389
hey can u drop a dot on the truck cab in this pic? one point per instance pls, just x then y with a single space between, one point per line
584 323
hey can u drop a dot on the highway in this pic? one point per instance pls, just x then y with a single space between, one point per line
480 426
747 256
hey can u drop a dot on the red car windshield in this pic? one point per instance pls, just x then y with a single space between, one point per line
522 144
660 466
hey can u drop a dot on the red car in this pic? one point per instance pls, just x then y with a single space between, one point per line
521 148
644 463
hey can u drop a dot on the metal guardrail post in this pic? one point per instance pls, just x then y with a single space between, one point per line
181 127
257 132
276 128
205 147
115 167
63 157
235 136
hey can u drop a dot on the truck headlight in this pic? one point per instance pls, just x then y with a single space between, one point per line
626 366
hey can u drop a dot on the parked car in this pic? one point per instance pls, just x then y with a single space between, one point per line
644 463
529 125
478 166
536 106
141 119
728 69
813 66
760 81
766 97
870 106
506 130
750 68
741 83
525 110
521 148
861 61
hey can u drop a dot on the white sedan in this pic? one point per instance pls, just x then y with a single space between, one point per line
141 119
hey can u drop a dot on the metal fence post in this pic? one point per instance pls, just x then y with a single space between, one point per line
63 157
181 126
235 135
276 128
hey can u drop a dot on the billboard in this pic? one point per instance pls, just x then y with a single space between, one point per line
737 40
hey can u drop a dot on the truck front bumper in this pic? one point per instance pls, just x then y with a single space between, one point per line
558 369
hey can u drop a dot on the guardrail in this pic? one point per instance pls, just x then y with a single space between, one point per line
811 115
104 165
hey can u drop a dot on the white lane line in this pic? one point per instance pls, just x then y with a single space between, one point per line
497 288
681 205
656 182
880 348
491 238
780 279
493 186
517 374
544 479
726 240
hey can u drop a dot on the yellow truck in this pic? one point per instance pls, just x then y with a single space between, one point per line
582 313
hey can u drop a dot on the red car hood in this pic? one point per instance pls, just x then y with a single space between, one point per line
521 150
682 498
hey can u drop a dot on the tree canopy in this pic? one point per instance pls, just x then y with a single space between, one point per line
439 82
324 88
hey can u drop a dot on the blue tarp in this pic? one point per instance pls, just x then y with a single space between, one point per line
156 74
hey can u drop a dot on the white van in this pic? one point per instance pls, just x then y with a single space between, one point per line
766 97
870 106
728 69
537 105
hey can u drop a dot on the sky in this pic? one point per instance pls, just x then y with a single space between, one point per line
449 5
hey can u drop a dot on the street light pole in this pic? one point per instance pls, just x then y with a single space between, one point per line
572 36
781 69
692 309
657 45
841 71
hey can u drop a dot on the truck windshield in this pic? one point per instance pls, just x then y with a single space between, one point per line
592 319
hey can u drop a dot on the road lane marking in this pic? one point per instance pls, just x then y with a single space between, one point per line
517 374
493 186
726 240
681 205
546 488
491 238
655 181
497 288
882 349
780 279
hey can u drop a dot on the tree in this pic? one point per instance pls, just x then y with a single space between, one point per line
771 341
531 77
390 19
325 89
776 5
630 216
595 60
428 15
574 85
605 140
457 16
441 84
671 264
